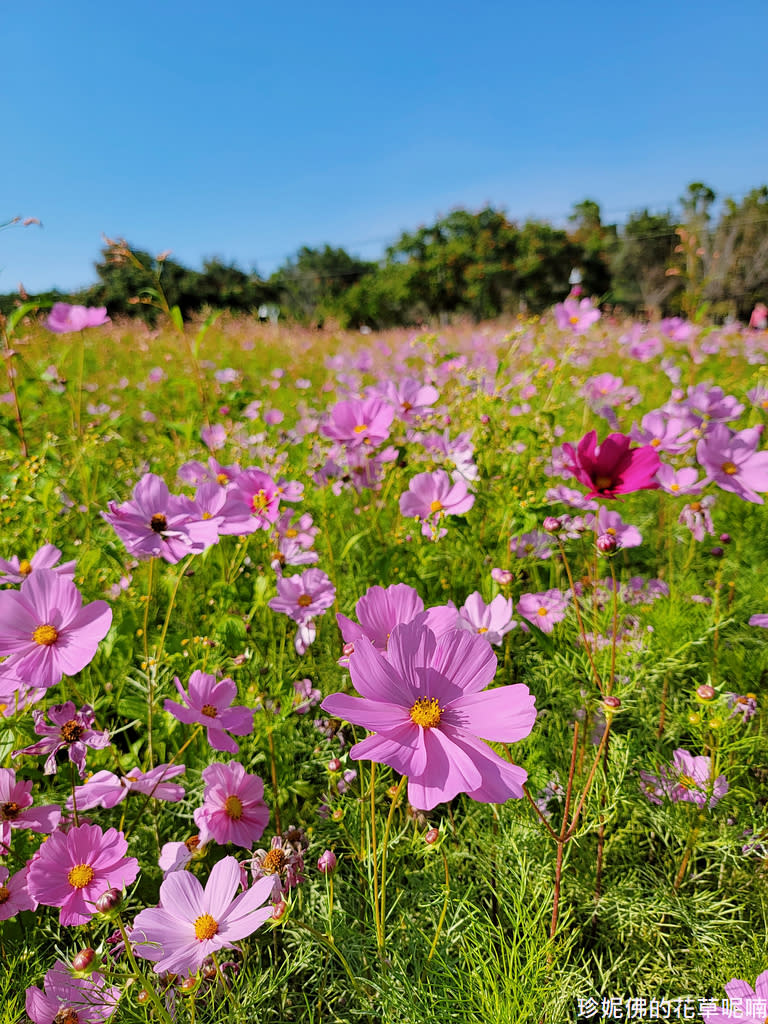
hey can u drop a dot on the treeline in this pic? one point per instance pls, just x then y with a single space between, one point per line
478 264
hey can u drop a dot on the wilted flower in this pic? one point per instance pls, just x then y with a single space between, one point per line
71 730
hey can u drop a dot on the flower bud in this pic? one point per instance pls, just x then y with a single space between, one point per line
392 792
187 986
612 702
551 524
725 538
337 814
327 862
83 960
717 552
142 996
431 836
347 649
606 544
334 764
278 909
705 692
109 901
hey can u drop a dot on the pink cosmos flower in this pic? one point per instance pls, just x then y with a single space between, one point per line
15 571
88 1000
46 631
233 808
16 809
746 1004
411 398
688 778
359 421
283 863
759 620
544 610
208 703
72 870
697 517
576 316
424 704
732 461
612 467
678 481
64 319
156 523
609 522
104 789
253 503
303 596
71 730
493 621
191 923
432 496
14 895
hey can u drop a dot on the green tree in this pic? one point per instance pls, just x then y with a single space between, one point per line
738 268
644 255
310 284
598 243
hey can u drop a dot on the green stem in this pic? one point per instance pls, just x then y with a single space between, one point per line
384 846
444 911
158 1003
374 856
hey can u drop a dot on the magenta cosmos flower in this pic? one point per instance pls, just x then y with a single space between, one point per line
72 870
45 630
16 810
745 1003
233 808
208 703
14 895
16 571
731 460
359 421
612 467
191 923
423 704
71 730
64 319
71 1000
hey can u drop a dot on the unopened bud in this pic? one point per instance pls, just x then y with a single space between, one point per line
392 792
606 544
725 538
612 702
278 909
109 901
552 524
82 961
705 692
334 764
327 862
431 836
142 996
188 985
337 814
348 649
717 552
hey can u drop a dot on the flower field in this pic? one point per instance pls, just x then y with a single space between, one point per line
406 677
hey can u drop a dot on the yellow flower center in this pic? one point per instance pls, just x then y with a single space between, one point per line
207 515
573 320
9 811
304 601
291 533
542 611
274 862
436 506
482 629
158 523
611 531
674 487
603 482
209 710
687 781
259 501
66 1015
5 894
695 506
71 731
426 712
45 635
361 428
222 478
730 468
25 567
233 806
205 927
80 875
655 442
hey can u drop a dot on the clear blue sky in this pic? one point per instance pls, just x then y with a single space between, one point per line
243 130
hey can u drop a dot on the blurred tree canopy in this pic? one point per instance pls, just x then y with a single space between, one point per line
477 264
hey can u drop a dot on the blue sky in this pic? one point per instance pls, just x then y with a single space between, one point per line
243 130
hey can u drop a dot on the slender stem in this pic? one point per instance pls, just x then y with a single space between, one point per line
273 772
166 623
161 1010
12 385
176 756
444 911
78 405
663 707
384 846
374 855
590 778
563 838
74 798
329 943
614 627
689 848
541 817
582 631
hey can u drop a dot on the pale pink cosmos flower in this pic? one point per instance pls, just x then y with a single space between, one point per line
105 789
14 895
192 923
357 421
46 631
576 316
492 621
72 870
432 496
759 620
71 731
688 779
16 810
678 481
16 571
545 609
233 808
411 398
304 595
609 523
64 318
424 705
746 1004
71 1000
697 517
208 702
731 460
